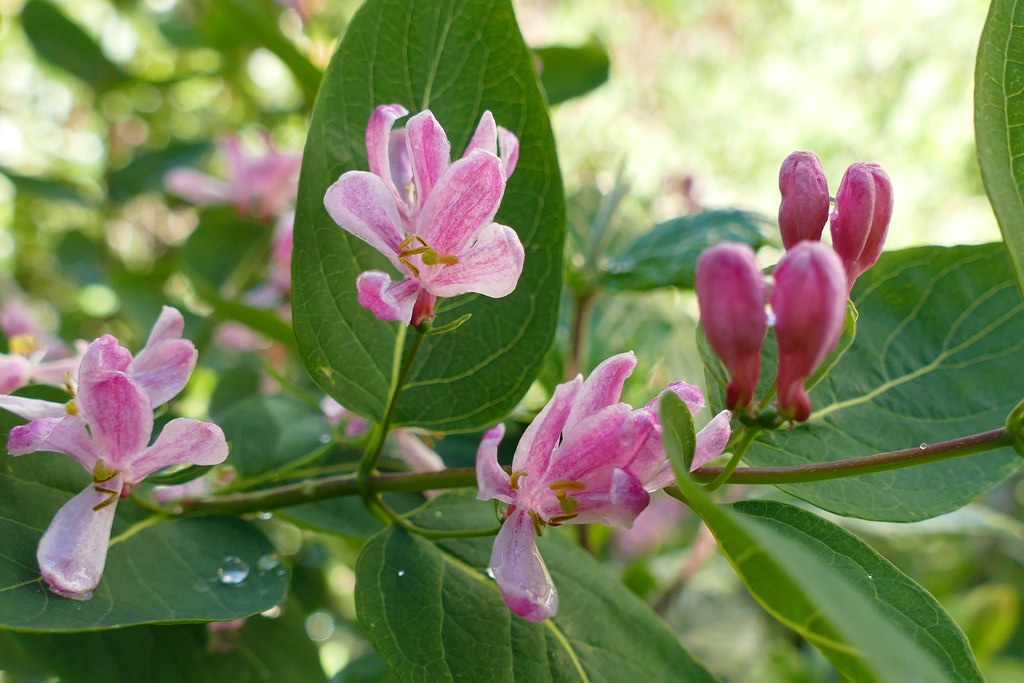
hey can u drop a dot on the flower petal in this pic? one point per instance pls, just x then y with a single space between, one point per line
430 151
163 366
65 435
363 205
508 150
416 454
56 372
519 570
119 415
378 139
492 480
485 136
597 445
32 408
183 440
105 353
462 202
388 300
691 395
533 453
15 371
491 267
73 551
197 187
712 439
602 388
616 505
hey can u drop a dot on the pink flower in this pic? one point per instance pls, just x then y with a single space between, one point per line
804 208
261 186
433 218
34 355
107 429
809 302
587 457
860 219
731 293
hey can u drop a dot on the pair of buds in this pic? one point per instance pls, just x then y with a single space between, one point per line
810 284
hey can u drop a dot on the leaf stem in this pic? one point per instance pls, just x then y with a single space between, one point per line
746 438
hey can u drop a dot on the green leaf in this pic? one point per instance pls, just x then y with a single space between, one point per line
567 72
823 587
999 122
157 570
667 255
936 326
260 650
459 628
458 59
145 172
63 43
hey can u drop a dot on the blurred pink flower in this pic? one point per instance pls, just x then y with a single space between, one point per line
33 355
432 218
262 185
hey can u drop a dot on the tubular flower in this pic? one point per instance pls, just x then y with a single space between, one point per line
809 302
107 429
433 218
587 457
731 293
804 208
860 219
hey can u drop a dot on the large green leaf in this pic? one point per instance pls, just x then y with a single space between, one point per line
940 332
667 255
458 627
820 581
458 59
62 42
260 650
567 72
157 570
999 122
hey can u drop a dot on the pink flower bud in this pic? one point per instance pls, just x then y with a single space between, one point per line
731 293
860 219
809 303
804 207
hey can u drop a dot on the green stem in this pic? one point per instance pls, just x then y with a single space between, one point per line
412 528
746 438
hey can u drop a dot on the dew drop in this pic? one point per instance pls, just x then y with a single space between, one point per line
272 613
490 572
325 438
232 571
265 516
280 572
268 562
401 572
871 577
923 446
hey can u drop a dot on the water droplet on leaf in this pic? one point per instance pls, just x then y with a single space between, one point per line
401 572
923 447
232 571
325 438
268 562
490 572
265 516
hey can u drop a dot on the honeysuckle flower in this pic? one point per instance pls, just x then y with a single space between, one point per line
34 355
860 218
261 185
809 303
431 217
804 207
732 294
107 429
587 457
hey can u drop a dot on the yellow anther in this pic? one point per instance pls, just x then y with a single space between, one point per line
538 523
559 519
112 495
566 502
570 484
22 344
71 407
514 478
447 259
102 473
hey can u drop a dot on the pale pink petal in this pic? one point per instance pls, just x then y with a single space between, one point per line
163 371
378 138
519 570
15 371
196 187
618 504
597 445
32 408
104 354
463 202
485 136
170 324
691 394
602 388
416 454
119 415
65 435
182 441
712 439
508 150
491 267
362 204
429 151
648 450
56 372
73 551
533 453
388 300
492 480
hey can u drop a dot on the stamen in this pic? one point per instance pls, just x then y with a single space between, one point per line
71 407
111 498
22 344
514 478
538 523
102 473
559 519
570 484
566 502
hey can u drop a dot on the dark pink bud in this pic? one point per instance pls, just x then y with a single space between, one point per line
809 303
731 292
804 207
860 219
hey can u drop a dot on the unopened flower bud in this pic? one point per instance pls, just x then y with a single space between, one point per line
809 303
804 207
860 219
731 293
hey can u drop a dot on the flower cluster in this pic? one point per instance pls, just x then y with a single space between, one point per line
587 457
810 284
107 427
432 218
